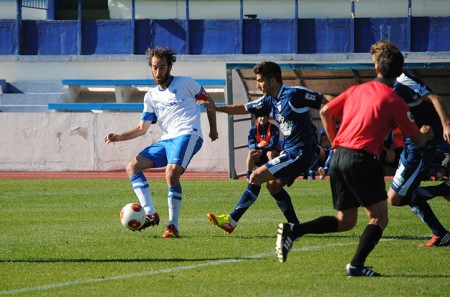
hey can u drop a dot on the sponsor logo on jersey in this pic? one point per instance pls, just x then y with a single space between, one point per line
309 96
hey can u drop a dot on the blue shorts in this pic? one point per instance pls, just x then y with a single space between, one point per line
292 164
178 150
413 168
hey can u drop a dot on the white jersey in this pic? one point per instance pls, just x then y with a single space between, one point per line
175 108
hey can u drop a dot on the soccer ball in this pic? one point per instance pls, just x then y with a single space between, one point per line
132 216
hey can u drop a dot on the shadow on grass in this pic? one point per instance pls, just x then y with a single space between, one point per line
433 276
331 235
174 260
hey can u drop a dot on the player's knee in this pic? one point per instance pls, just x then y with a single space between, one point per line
131 168
273 186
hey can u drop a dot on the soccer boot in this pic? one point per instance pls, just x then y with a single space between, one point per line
171 232
360 271
150 220
284 241
222 221
437 241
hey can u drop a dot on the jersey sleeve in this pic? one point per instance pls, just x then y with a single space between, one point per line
336 106
304 97
259 107
410 88
195 89
148 114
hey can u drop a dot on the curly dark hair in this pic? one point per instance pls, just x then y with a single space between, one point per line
160 52
268 69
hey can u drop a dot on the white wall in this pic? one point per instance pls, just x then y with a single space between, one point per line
65 141
80 67
229 9
8 10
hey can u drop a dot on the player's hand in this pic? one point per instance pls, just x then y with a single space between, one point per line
111 137
214 135
446 134
263 144
209 105
428 131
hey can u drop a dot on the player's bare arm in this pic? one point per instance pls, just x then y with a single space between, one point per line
441 109
233 109
137 131
328 122
229 109
213 134
327 98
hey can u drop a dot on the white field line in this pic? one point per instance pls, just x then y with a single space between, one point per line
169 270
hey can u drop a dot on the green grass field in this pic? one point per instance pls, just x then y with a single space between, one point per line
64 238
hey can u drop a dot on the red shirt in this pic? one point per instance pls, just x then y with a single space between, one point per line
368 112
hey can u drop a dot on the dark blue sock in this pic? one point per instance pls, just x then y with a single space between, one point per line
284 202
247 199
426 214
433 191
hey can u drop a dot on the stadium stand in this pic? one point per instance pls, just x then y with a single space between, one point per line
123 88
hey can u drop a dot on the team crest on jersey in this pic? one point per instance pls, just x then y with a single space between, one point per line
286 127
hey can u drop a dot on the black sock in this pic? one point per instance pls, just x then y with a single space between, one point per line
367 242
325 224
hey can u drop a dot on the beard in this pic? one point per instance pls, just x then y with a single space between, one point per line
164 80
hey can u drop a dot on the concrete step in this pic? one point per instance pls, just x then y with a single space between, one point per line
23 108
35 86
30 99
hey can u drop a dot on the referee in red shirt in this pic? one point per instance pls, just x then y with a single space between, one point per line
368 112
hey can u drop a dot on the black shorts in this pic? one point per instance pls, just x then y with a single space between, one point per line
357 179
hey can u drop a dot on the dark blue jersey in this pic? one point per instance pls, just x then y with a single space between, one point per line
412 89
291 110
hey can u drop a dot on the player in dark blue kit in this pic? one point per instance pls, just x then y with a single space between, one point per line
289 106
415 162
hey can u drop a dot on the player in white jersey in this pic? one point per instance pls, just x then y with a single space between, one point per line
173 104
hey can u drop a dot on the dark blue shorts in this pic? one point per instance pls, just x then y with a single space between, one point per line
292 164
412 169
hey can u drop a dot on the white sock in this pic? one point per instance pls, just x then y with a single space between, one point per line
174 211
142 190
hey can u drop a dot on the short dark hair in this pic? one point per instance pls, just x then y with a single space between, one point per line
268 70
160 52
390 62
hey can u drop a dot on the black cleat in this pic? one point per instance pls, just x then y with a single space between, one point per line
284 241
360 271
150 220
